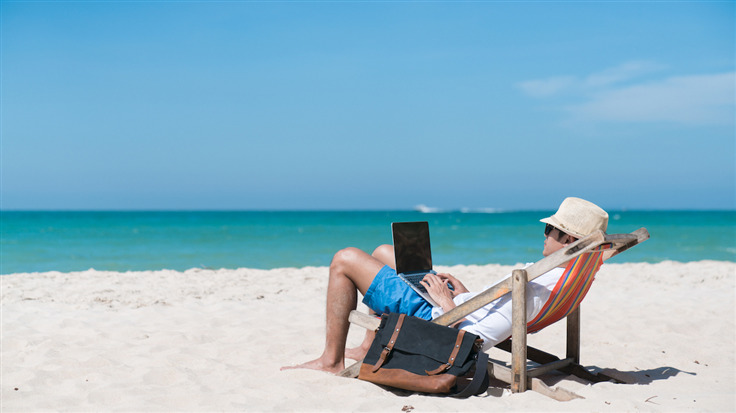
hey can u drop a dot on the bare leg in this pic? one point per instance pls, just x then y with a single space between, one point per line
384 254
351 270
358 353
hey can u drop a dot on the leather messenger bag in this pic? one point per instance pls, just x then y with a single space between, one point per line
414 354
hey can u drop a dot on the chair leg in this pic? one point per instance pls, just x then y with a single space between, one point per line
573 335
518 331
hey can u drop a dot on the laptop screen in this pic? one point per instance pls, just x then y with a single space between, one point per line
411 247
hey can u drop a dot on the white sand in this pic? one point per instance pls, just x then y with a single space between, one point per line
214 341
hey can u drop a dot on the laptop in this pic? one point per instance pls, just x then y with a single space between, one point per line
413 254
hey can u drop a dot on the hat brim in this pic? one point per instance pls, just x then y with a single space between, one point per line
557 224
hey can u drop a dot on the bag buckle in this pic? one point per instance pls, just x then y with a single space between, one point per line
439 370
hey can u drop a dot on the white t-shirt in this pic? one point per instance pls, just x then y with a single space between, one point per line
493 321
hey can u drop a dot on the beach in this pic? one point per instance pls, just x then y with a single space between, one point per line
214 340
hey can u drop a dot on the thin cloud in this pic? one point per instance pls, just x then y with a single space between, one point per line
547 87
622 73
542 88
699 99
620 94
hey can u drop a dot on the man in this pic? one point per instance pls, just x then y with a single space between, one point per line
353 270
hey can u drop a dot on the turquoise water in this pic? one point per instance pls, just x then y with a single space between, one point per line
122 241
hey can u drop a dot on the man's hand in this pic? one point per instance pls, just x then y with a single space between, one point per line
439 291
457 286
437 287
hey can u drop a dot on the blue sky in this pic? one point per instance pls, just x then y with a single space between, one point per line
367 105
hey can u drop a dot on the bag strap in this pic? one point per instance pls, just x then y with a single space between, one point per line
480 380
390 346
453 356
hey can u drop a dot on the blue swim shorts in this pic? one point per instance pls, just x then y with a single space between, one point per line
389 294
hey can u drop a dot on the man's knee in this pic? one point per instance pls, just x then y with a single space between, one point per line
346 256
356 265
383 250
385 254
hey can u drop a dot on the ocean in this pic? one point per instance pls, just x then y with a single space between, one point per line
38 241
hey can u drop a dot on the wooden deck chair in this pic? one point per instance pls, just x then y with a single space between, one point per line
584 258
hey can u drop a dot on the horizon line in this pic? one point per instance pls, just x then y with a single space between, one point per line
422 211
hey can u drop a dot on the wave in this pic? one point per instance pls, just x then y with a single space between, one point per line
434 210
429 210
481 210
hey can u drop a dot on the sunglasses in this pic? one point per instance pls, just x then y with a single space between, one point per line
548 229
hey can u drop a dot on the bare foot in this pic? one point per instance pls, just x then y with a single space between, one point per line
356 353
318 364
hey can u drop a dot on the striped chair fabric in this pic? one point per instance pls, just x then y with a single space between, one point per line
570 290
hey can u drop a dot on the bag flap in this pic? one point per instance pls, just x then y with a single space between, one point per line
418 336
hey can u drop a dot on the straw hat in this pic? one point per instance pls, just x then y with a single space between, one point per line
578 217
